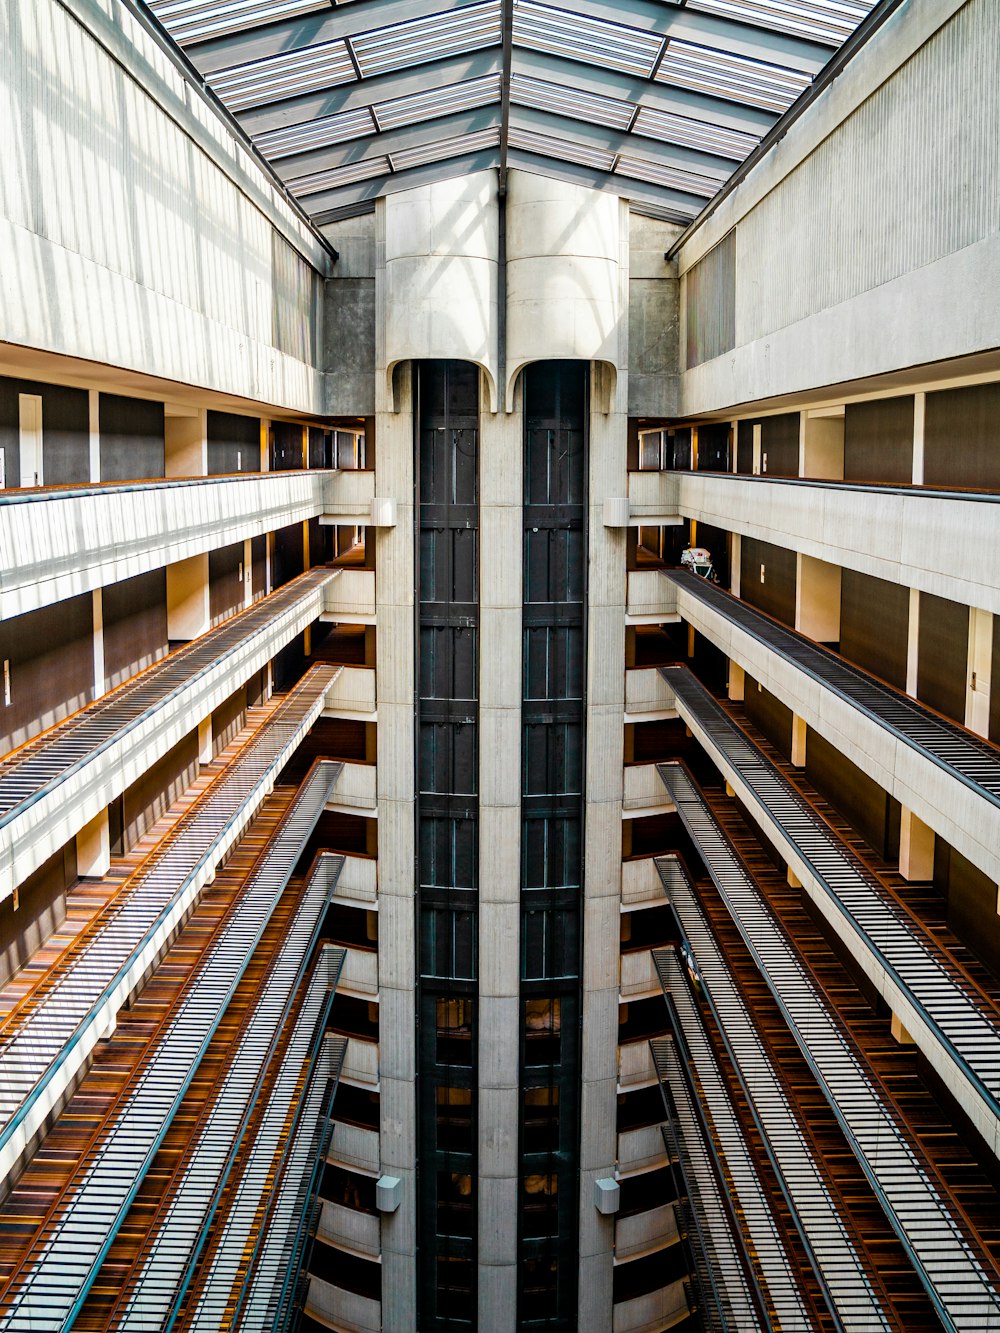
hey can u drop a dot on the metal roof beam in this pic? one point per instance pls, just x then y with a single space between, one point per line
349 20
660 96
350 197
655 151
672 20
437 74
385 144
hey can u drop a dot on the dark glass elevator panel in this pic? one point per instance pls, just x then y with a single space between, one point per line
552 755
447 421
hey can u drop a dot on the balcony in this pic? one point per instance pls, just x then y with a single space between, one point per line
358 883
342 1310
643 792
641 884
360 1063
350 597
644 1232
946 543
652 499
638 975
64 778
641 1149
355 1148
635 1066
360 974
355 791
352 695
651 1314
347 498
648 697
349 1229
59 543
652 599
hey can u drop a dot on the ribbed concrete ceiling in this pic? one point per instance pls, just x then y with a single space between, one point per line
659 100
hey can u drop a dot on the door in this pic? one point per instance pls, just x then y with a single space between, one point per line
30 411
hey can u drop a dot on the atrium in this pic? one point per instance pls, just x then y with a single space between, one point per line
499 615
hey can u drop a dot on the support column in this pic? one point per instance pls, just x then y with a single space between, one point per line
99 666
916 848
919 408
737 682
188 613
602 848
799 732
817 599
913 643
205 755
185 442
265 445
735 560
247 571
94 410
500 495
821 444
979 683
395 681
93 848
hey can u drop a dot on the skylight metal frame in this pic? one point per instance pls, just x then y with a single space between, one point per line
660 101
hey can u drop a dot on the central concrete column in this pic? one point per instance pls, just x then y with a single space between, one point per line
603 842
500 599
395 684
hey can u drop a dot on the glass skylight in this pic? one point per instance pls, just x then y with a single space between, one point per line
828 21
602 90
736 78
430 38
588 107
350 174
577 37
196 20
438 102
700 134
276 144
458 146
673 178
288 75
562 150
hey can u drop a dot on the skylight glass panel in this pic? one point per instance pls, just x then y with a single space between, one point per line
430 38
672 178
576 37
335 177
563 150
827 21
667 127
345 125
438 102
588 107
736 78
286 75
190 21
458 146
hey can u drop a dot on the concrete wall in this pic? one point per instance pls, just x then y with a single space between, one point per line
135 228
653 319
879 203
567 248
441 272
349 319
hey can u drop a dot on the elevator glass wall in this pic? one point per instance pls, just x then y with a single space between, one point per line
554 581
447 835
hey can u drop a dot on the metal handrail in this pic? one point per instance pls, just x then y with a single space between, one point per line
724 1270
171 1254
833 1256
963 755
944 1256
951 1007
43 763
43 1031
67 1254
